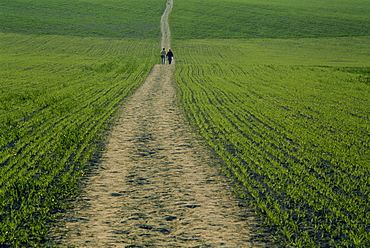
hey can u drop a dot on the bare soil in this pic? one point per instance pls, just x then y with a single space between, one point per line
157 185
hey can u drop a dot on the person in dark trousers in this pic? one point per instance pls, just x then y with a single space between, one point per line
163 56
169 56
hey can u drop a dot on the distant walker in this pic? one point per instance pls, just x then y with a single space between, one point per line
163 56
169 56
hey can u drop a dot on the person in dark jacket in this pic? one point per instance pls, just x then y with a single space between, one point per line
169 56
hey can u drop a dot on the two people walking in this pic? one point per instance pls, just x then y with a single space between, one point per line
165 54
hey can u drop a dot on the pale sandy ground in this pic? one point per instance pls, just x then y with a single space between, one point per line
157 185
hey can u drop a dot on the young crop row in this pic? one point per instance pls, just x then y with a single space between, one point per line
295 140
56 101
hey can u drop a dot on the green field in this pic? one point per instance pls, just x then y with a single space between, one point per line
281 92
279 89
56 101
104 18
294 138
65 68
269 19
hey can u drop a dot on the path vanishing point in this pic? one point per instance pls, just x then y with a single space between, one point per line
157 185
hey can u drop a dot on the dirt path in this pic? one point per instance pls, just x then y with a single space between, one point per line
157 185
165 27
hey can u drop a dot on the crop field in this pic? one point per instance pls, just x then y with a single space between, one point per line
287 110
269 18
279 89
56 101
294 138
65 67
108 18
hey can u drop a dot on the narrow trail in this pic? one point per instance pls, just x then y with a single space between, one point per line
157 185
